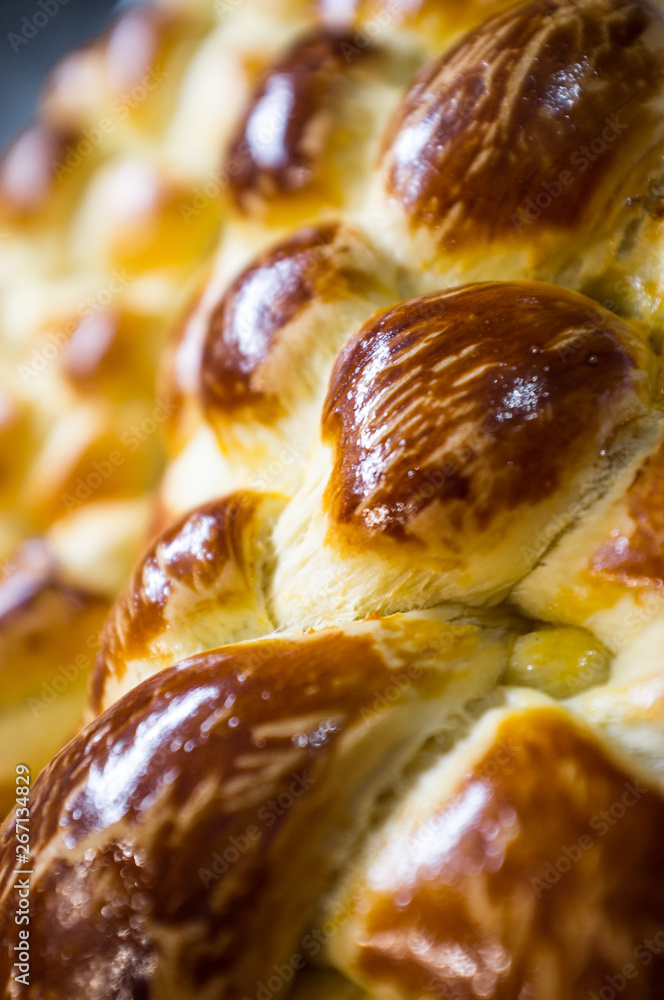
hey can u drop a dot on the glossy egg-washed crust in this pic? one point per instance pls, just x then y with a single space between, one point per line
250 325
189 841
493 891
515 105
205 568
282 141
463 389
266 749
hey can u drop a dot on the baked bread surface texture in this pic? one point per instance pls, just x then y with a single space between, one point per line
332 439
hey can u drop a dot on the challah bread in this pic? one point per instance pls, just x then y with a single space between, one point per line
528 863
389 654
144 45
545 124
457 428
83 319
200 585
267 745
81 449
251 365
301 153
620 49
271 342
606 572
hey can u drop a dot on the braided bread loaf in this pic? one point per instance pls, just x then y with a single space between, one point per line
379 711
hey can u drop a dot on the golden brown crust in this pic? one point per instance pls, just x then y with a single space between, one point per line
483 399
132 215
237 776
281 143
541 114
607 572
464 432
203 567
314 265
637 559
17 440
544 866
66 474
89 97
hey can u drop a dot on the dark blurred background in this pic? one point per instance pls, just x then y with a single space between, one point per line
29 48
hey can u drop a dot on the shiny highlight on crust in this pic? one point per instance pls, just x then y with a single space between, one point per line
131 812
483 399
490 128
247 324
192 554
280 145
482 896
